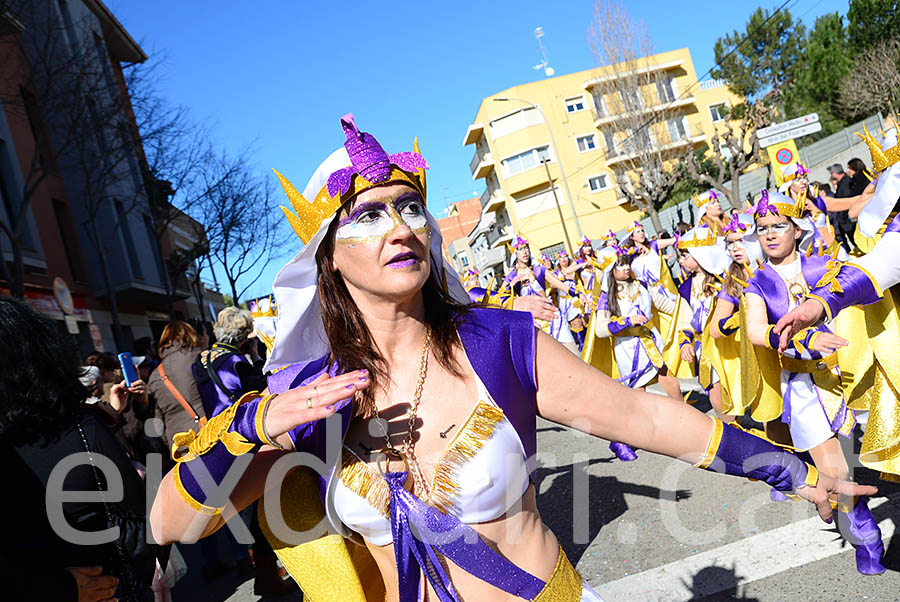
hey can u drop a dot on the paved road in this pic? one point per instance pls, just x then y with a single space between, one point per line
656 529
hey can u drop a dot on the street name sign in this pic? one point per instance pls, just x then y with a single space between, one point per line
804 130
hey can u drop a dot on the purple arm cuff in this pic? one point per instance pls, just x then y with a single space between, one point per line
617 325
741 454
725 328
857 286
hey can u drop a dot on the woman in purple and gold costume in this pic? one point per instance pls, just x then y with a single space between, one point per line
723 329
624 315
569 303
703 260
527 279
710 212
416 415
802 384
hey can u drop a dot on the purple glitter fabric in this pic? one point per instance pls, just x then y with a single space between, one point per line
368 159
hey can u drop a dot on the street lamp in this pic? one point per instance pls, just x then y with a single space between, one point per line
562 171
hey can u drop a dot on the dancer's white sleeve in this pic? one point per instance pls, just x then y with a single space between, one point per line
883 261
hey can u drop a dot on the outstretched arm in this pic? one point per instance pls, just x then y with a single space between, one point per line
657 423
558 284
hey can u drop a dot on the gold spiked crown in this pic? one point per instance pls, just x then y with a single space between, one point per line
370 166
881 159
699 200
707 241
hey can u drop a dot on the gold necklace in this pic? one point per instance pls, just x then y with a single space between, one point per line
406 451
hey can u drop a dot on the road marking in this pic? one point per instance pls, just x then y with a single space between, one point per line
751 559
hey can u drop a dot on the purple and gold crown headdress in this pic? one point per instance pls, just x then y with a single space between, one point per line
735 226
519 242
701 199
632 227
792 171
610 235
775 202
369 166
585 241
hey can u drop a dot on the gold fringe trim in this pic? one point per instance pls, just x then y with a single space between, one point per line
468 442
363 481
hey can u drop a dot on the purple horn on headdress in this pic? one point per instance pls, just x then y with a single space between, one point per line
735 225
762 207
368 159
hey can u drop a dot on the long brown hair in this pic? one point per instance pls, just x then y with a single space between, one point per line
179 334
352 346
736 270
612 285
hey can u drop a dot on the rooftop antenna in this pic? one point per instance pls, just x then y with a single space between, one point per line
548 70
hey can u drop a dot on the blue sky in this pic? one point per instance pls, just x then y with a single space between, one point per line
282 72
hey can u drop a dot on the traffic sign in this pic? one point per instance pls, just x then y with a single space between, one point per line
784 126
804 130
781 154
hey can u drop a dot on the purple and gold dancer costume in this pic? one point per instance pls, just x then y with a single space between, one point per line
808 394
313 537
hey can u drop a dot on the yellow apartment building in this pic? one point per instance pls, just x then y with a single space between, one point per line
566 121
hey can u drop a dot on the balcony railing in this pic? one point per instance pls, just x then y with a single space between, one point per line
661 143
602 118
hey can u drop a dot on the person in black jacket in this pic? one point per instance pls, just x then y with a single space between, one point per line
47 552
843 226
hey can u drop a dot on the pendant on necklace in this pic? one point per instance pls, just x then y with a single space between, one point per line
378 427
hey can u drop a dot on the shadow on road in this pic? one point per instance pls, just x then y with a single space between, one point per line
724 582
605 503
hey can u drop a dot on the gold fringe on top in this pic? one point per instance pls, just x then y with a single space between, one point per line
363 481
468 442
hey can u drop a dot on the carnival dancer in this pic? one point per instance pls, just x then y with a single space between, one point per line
545 261
703 261
812 399
821 234
709 214
652 270
420 516
569 305
525 279
723 330
873 216
624 314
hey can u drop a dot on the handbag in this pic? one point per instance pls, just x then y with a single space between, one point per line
132 529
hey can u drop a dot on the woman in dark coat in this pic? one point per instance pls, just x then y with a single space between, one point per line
49 548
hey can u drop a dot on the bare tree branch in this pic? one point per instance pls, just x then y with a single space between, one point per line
735 147
873 84
646 136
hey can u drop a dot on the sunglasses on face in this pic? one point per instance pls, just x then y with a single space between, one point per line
779 229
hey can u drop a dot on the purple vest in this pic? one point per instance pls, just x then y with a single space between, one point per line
769 285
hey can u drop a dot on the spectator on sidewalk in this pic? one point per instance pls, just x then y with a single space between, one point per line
43 421
840 220
172 385
232 366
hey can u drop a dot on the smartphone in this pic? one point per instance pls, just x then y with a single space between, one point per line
128 369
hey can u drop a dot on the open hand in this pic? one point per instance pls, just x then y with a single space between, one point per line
319 399
539 307
687 353
827 343
830 486
803 316
92 586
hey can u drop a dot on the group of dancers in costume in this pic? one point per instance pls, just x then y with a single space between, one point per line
739 276
415 410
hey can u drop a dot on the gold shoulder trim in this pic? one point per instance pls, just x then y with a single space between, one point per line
468 442
363 481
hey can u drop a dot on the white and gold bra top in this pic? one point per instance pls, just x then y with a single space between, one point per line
480 475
